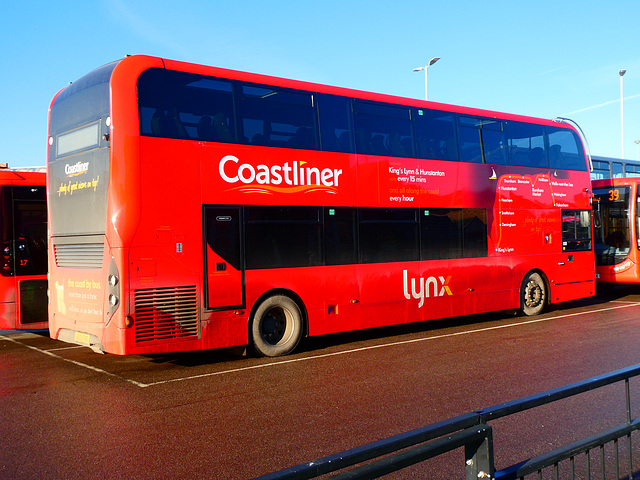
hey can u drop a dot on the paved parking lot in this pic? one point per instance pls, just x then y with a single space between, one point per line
68 412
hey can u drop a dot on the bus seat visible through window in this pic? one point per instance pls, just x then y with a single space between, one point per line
205 129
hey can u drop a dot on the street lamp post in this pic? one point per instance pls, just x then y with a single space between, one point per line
426 78
621 73
637 142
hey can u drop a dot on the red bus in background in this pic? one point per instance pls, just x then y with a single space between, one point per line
23 232
616 230
194 207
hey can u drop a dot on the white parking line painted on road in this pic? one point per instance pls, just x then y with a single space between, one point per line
314 357
80 364
73 347
385 345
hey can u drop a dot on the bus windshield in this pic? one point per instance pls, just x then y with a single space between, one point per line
611 227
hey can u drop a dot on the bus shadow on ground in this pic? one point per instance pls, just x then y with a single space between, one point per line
42 333
609 292
356 339
438 326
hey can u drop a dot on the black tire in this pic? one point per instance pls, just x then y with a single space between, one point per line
276 326
533 294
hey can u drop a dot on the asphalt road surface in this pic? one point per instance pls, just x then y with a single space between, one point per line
69 413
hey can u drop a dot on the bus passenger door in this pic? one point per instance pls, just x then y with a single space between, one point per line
224 269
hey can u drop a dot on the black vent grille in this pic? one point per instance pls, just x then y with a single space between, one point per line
166 314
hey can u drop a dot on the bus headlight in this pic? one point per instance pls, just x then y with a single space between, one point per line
623 267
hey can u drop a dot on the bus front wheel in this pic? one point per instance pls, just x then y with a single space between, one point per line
533 294
276 328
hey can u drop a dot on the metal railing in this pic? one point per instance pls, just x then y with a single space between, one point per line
472 432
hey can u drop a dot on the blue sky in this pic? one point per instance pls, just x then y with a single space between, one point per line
543 58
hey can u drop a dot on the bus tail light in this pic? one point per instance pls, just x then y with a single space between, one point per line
128 321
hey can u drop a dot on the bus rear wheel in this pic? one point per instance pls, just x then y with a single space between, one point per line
276 328
533 294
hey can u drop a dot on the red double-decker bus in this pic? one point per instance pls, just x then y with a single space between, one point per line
23 232
617 230
194 207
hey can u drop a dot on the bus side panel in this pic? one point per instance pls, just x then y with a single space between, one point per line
573 277
407 182
163 268
382 294
395 293
572 291
340 306
224 329
329 295
491 284
8 315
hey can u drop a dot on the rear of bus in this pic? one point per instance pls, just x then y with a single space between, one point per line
78 176
23 233
103 263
